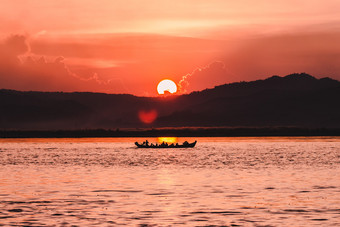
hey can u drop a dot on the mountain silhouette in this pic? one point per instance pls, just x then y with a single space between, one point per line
297 100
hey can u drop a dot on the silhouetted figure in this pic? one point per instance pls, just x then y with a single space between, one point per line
164 144
147 143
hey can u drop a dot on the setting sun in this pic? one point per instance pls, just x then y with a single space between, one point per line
166 86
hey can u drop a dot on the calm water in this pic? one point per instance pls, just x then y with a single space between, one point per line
222 181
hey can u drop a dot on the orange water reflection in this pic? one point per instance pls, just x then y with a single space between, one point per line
168 140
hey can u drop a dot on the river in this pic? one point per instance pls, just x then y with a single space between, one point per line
269 181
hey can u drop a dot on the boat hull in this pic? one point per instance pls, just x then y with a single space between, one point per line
189 145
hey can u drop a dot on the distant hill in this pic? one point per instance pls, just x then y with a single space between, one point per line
298 100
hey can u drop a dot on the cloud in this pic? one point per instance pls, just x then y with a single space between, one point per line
206 77
135 63
138 60
313 52
11 48
21 69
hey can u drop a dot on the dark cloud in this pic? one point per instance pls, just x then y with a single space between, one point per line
11 48
22 70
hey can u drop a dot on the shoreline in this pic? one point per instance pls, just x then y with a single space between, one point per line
174 132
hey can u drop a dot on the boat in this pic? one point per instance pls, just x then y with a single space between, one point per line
165 145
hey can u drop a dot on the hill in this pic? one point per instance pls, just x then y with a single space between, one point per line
297 100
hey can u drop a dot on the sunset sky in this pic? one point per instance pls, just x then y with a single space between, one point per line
128 46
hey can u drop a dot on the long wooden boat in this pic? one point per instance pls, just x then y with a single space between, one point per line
184 145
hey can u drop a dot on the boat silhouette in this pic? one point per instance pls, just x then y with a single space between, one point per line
165 145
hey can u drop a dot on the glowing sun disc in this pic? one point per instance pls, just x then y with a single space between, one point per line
166 85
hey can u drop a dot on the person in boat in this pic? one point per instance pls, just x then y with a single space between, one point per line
146 142
164 144
185 143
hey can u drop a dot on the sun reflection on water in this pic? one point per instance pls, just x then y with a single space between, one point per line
168 140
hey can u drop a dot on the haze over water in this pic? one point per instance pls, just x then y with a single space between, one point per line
222 181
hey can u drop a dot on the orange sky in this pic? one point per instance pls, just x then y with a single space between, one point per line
128 46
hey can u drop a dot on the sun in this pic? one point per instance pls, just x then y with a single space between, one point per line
166 86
